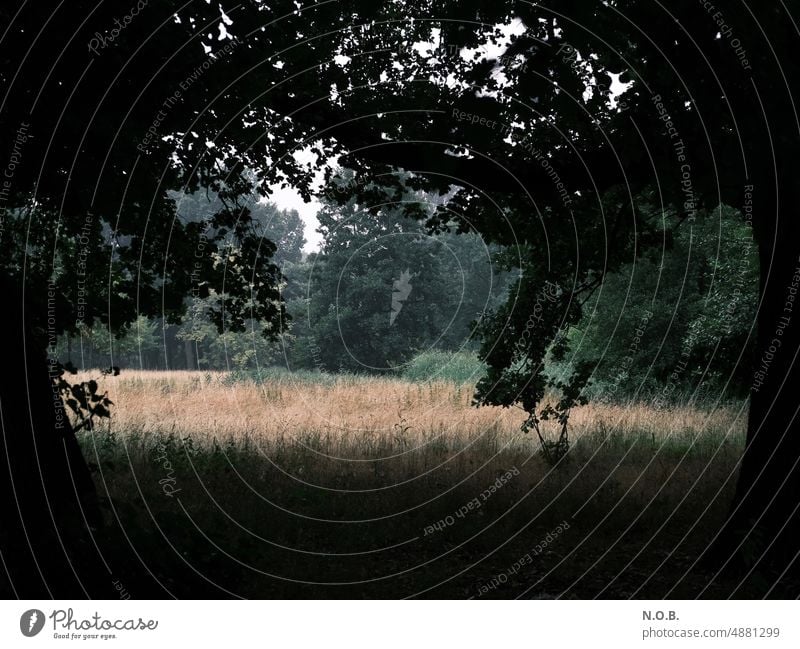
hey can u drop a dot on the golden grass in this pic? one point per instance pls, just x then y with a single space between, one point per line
335 467
366 414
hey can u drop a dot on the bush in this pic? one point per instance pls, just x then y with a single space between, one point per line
458 367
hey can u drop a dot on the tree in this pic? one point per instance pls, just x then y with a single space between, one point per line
555 165
552 163
136 345
228 350
690 305
547 162
284 228
91 235
382 290
245 348
374 292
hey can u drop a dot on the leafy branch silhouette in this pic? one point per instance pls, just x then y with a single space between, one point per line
83 398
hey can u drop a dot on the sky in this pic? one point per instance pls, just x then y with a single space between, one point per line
287 198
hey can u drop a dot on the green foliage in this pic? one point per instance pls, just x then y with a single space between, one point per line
458 367
562 187
283 228
384 290
681 317
506 192
570 394
137 344
229 350
216 342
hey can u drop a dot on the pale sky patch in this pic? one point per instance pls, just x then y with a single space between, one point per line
287 198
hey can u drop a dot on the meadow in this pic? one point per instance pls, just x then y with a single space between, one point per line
279 484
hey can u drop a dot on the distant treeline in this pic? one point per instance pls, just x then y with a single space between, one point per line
383 293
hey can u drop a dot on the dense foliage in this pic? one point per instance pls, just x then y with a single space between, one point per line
678 323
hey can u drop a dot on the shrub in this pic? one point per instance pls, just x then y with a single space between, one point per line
458 367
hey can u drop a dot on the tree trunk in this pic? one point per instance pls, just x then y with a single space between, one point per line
187 346
762 530
47 498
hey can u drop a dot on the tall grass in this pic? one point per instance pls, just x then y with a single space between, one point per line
348 409
291 486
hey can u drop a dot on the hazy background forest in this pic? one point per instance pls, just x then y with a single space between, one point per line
699 289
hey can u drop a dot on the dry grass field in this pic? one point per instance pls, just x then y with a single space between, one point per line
343 486
368 416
